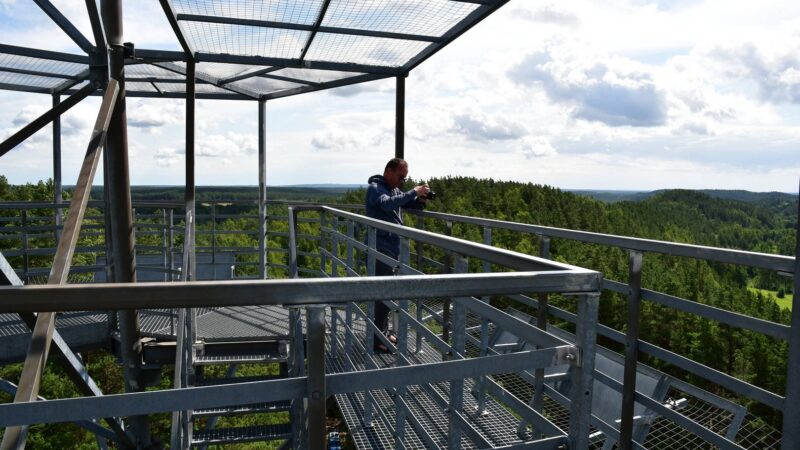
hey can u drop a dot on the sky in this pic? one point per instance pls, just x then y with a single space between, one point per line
618 94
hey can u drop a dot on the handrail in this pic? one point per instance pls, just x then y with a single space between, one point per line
753 259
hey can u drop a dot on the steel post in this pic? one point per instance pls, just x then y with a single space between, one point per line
487 267
580 408
401 331
335 246
122 232
400 117
323 259
791 410
456 403
58 196
262 189
448 263
370 334
631 349
541 323
297 369
315 324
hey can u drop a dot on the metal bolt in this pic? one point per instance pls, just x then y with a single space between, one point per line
569 357
316 395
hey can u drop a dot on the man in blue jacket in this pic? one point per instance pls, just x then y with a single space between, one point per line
384 202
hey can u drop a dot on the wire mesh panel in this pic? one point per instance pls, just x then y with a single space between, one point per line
41 65
221 71
363 49
266 85
424 17
32 81
151 71
133 87
291 11
244 39
314 76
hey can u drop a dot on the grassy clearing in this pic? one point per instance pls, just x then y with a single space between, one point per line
785 302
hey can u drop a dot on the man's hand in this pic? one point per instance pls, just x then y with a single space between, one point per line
422 191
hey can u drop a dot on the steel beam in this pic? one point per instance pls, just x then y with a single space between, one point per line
292 62
65 25
262 189
400 117
38 73
323 86
30 379
38 123
97 25
315 28
303 27
57 189
791 412
43 54
173 22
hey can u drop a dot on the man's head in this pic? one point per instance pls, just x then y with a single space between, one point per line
395 172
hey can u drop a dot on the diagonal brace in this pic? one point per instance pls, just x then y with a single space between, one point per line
17 138
65 25
28 390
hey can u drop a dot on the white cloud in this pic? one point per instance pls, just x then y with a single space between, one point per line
536 147
614 91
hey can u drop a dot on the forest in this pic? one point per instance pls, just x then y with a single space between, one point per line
759 222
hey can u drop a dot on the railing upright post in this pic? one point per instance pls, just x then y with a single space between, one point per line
335 246
401 330
25 256
171 251
323 260
214 240
487 267
165 261
315 323
459 343
351 233
370 334
448 263
791 410
420 224
297 369
293 269
631 349
541 323
580 413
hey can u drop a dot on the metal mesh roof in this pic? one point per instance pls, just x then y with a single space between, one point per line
264 49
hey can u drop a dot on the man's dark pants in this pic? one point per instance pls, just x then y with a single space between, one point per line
381 310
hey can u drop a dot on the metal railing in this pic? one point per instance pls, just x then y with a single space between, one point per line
633 344
312 384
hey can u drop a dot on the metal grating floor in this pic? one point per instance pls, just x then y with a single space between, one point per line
498 427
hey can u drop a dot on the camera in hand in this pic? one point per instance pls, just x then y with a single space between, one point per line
431 195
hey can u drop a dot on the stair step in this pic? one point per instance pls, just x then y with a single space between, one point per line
243 434
238 410
205 360
234 380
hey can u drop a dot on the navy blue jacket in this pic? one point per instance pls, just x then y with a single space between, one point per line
383 203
